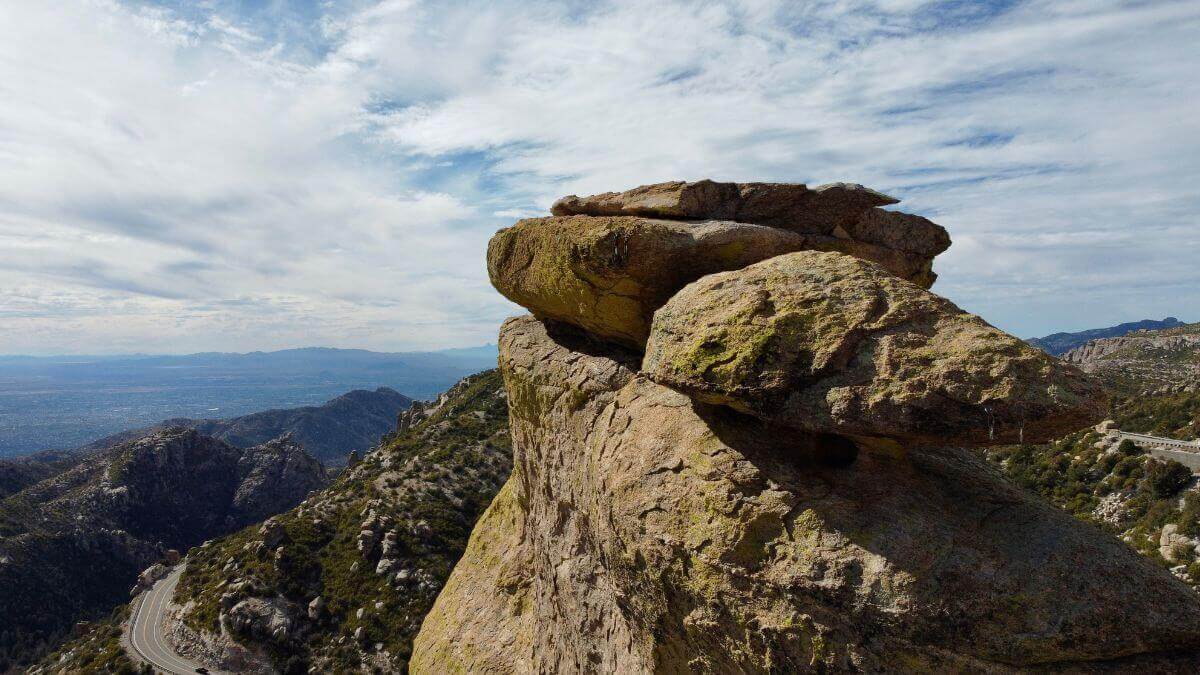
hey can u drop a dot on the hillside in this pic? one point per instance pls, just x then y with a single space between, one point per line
352 422
1145 362
1151 504
72 545
352 571
1061 343
17 474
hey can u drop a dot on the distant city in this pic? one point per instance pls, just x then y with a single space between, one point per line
57 403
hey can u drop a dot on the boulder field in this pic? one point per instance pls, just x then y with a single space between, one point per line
758 463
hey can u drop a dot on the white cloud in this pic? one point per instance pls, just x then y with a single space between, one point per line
174 181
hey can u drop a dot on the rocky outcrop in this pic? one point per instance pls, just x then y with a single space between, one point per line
826 343
1175 546
606 263
791 206
274 478
272 619
653 528
1145 362
609 274
644 532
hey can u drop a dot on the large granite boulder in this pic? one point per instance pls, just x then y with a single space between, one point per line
844 210
607 274
788 205
827 343
642 532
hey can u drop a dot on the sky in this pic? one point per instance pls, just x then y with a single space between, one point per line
233 176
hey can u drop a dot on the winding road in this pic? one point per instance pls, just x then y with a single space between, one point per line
146 634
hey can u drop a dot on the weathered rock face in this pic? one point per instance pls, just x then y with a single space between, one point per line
788 205
268 618
605 263
847 211
824 342
788 503
273 478
608 274
644 532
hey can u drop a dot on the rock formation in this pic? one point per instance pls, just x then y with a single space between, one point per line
826 343
605 263
1145 362
644 530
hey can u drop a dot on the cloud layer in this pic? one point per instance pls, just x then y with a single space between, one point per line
180 178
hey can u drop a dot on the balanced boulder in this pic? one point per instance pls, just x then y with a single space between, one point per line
607 275
844 210
788 205
827 343
605 263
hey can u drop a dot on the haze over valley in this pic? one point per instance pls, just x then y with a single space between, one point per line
63 402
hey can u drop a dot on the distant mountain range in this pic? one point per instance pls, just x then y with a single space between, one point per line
330 432
1061 343
353 421
64 402
77 526
1165 361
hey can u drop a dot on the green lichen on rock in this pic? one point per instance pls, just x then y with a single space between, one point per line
644 532
608 274
827 343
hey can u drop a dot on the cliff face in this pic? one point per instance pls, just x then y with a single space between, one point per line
712 523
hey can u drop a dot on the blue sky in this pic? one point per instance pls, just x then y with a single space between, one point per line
232 176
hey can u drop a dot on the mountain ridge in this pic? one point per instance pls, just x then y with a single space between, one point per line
1058 344
1145 362
319 429
351 422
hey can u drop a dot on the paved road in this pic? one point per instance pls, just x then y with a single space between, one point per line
1147 439
1186 453
146 633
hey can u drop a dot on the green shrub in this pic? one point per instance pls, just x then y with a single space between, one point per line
1130 449
1166 478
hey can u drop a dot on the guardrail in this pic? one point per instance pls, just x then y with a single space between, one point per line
1147 439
